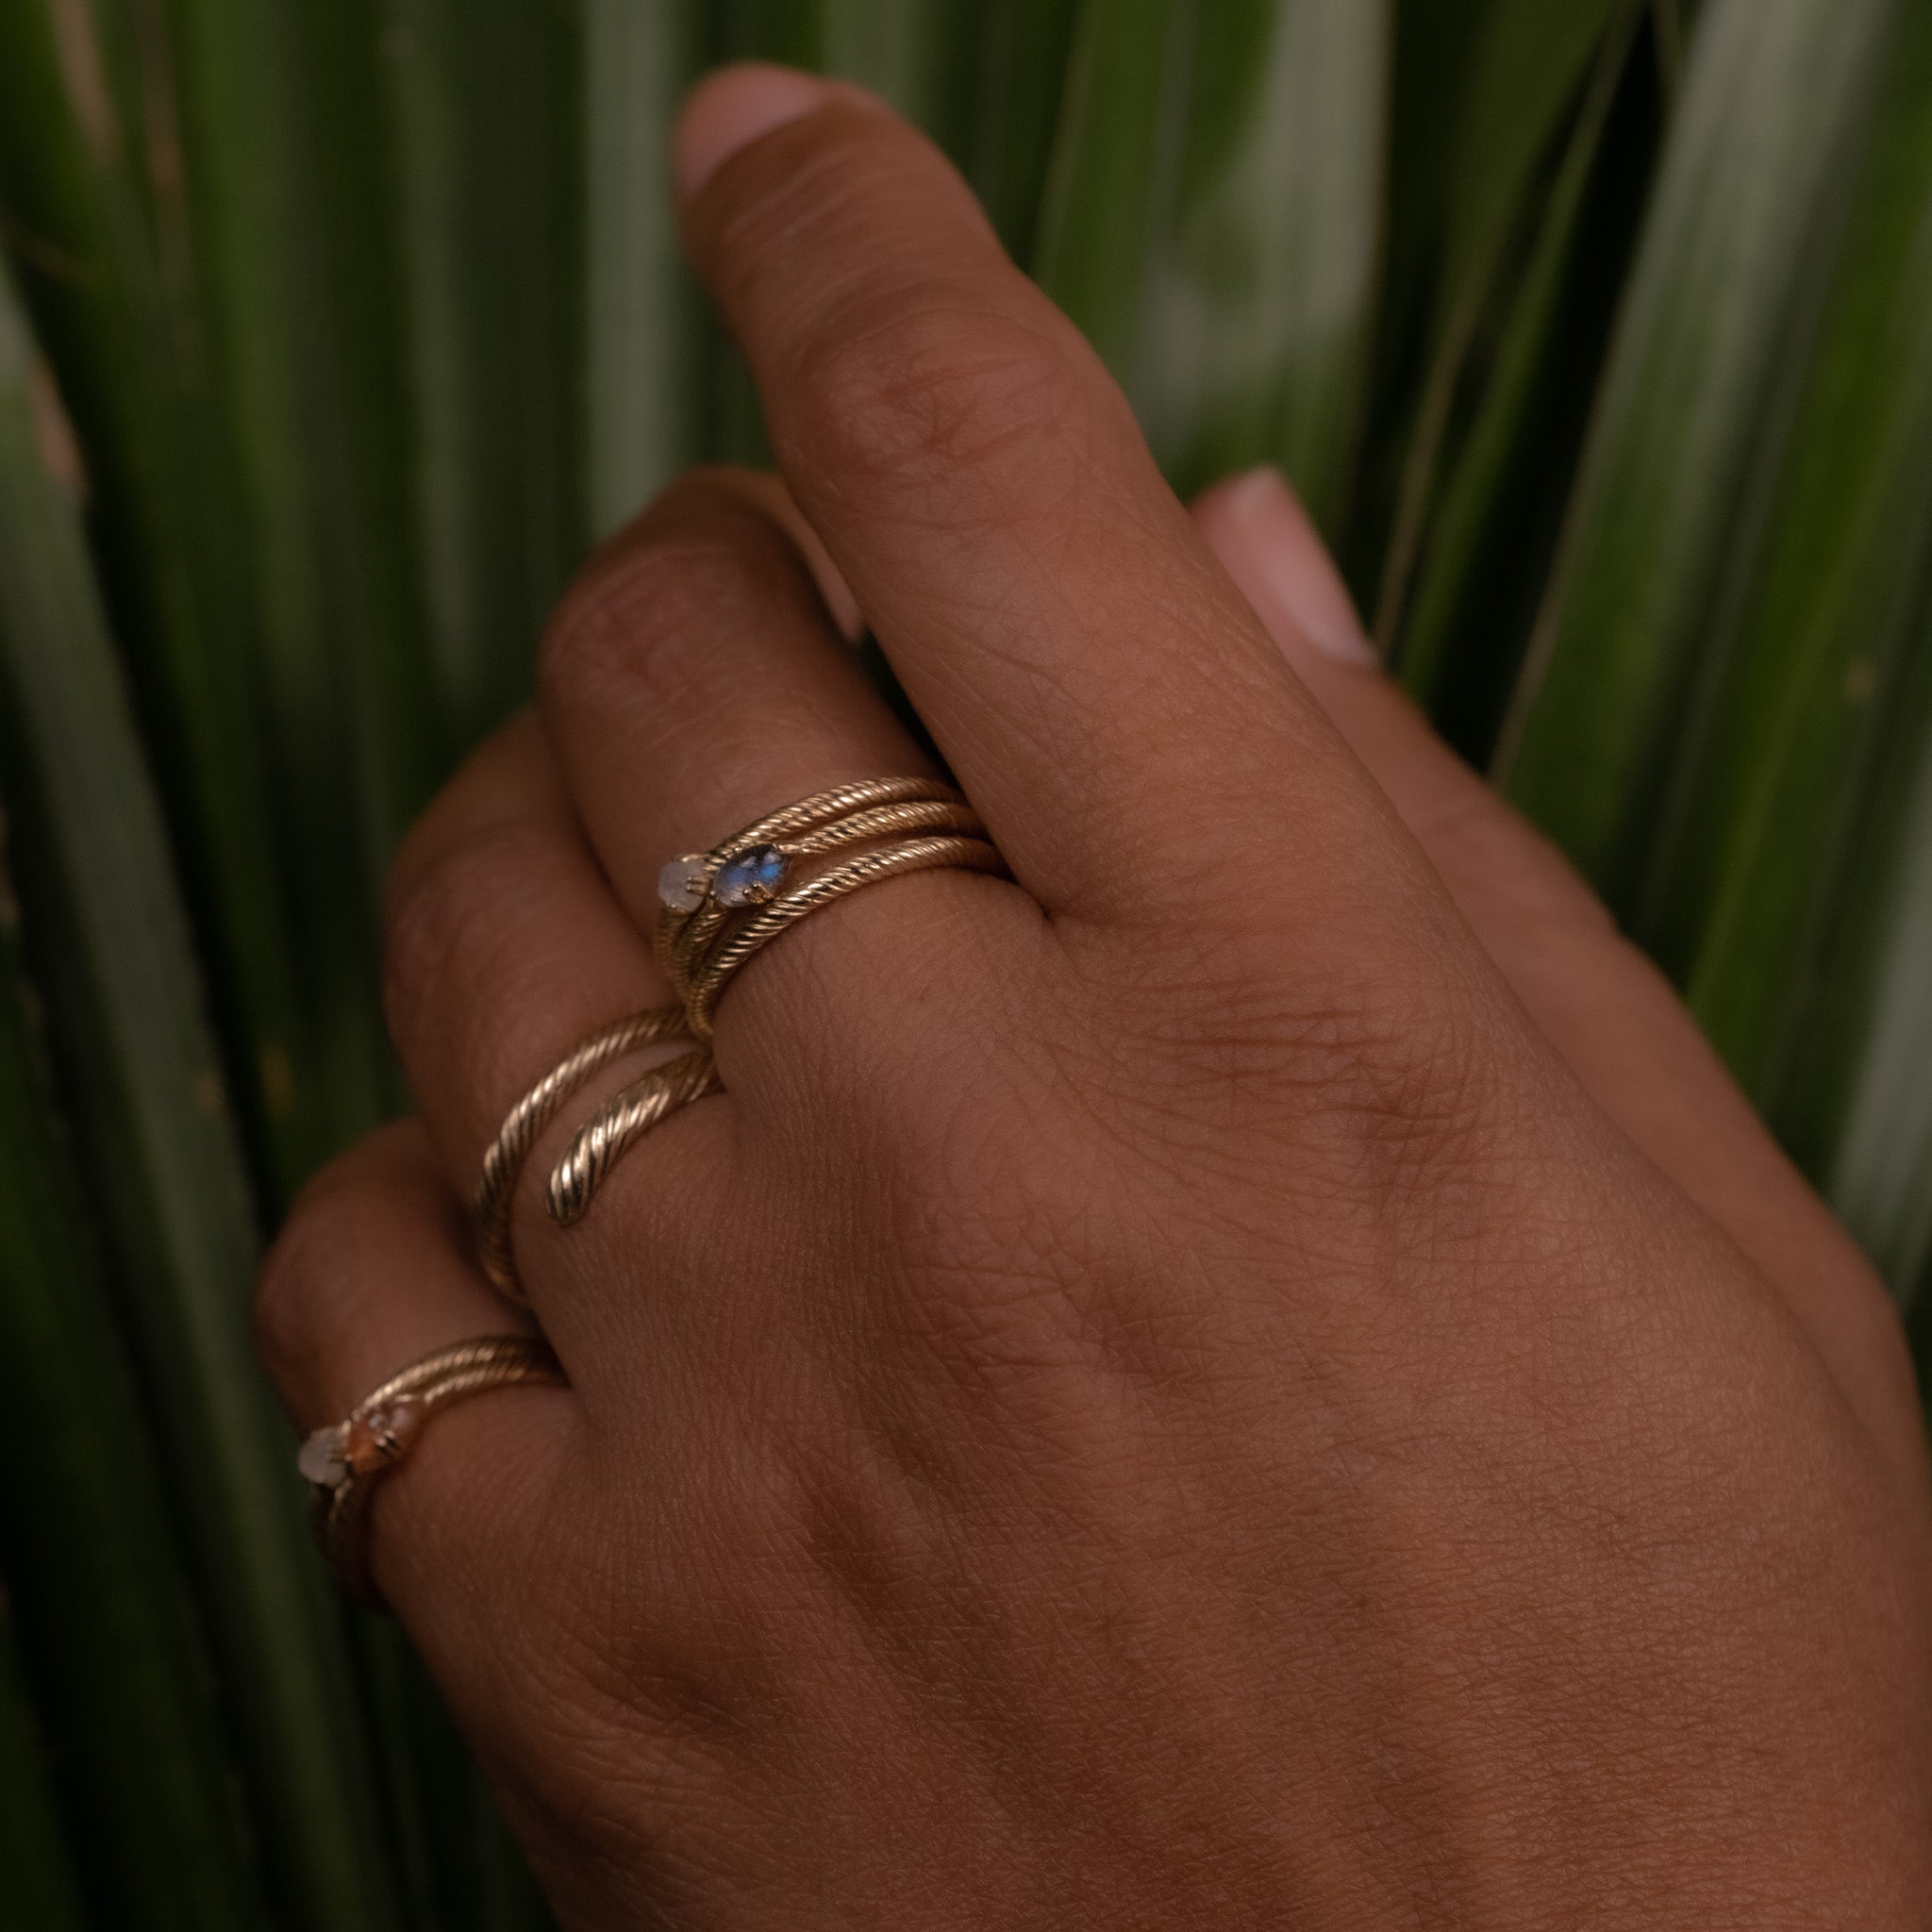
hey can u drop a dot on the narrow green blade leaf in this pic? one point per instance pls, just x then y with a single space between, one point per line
1017 74
96 1585
1521 79
1856 1108
1754 153
1210 222
1256 312
1492 526
99 248
1879 1175
292 287
1775 756
104 926
644 336
483 95
1104 192
292 277
1671 26
41 1891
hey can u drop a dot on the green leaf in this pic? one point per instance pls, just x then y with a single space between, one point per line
293 288
1256 316
97 1585
101 249
1211 221
105 927
1671 26
42 1890
1098 224
1872 1036
1520 79
1757 152
1798 685
483 97
644 332
1018 75
1492 524
1856 1107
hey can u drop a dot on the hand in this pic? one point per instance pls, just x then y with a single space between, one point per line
1254 1374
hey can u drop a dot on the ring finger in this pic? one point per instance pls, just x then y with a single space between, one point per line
505 951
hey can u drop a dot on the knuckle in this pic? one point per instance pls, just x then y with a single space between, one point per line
449 915
930 382
634 628
1392 1072
1404 1074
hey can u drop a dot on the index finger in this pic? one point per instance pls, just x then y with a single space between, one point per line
1097 684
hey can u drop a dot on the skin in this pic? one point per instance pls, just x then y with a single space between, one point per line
1256 1375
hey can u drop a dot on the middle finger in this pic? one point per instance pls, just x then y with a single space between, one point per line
1104 693
693 681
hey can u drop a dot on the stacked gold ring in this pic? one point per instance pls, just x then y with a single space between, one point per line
912 823
718 909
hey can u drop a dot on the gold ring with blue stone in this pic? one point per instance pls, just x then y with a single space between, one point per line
716 909
699 893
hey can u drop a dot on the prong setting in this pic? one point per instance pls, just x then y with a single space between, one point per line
684 883
751 876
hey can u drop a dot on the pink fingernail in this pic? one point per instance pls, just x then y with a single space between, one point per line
729 110
1272 549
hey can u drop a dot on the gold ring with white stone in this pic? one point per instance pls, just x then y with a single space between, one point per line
717 908
905 824
340 1463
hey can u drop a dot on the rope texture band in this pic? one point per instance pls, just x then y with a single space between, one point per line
720 907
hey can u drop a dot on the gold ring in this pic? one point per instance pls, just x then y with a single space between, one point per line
342 1462
504 1160
717 909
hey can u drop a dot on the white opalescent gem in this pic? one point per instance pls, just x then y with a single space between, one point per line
320 1458
681 885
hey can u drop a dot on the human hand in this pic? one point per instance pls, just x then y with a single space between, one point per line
1257 1373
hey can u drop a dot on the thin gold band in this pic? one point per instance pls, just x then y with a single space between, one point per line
908 825
682 936
342 1461
712 971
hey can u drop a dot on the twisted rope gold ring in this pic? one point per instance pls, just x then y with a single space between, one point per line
717 909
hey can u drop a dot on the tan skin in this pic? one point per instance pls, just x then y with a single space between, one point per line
1256 1375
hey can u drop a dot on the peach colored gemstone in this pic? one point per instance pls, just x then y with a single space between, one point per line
381 1436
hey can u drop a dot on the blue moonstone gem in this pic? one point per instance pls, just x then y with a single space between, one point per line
750 877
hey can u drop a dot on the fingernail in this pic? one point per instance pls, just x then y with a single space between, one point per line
1270 547
731 109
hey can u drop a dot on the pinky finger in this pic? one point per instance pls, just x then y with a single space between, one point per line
373 1272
